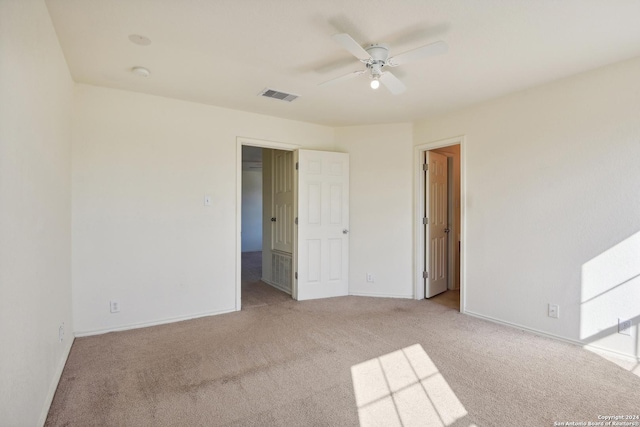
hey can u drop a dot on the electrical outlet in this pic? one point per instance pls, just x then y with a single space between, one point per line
554 311
370 278
624 327
61 332
114 306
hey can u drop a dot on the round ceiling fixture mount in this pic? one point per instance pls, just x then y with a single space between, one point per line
141 71
139 40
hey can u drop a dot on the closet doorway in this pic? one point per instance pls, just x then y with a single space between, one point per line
440 222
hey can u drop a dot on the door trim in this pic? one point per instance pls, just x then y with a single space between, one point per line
419 202
240 141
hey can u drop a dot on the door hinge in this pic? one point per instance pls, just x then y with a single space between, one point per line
425 220
297 166
425 274
296 275
295 221
425 167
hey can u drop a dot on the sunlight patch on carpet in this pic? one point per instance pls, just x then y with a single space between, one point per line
404 388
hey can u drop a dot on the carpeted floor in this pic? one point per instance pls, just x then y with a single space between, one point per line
256 293
344 361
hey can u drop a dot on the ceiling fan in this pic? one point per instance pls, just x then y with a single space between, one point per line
376 57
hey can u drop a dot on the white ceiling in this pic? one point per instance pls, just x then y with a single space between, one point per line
224 52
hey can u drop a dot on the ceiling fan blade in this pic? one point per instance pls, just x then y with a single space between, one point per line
392 83
352 46
423 52
342 78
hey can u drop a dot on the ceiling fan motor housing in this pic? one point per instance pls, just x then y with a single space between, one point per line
379 54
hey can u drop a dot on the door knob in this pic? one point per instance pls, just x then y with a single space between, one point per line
446 230
345 231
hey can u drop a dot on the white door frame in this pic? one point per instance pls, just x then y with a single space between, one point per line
419 202
240 141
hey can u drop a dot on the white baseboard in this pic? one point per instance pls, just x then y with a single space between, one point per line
627 357
378 295
54 383
579 343
153 323
277 286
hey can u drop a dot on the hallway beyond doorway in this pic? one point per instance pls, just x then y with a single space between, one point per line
449 298
256 293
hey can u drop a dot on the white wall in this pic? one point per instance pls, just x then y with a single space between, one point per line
380 208
251 210
35 212
552 179
141 234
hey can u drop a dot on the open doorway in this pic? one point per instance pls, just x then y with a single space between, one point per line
264 273
318 182
439 212
449 260
266 237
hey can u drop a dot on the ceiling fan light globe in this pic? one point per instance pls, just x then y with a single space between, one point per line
375 84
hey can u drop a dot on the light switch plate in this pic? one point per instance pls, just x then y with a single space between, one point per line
207 200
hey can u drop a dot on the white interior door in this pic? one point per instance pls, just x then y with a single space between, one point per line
436 228
282 219
322 261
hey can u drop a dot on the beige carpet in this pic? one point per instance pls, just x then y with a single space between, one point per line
344 361
256 293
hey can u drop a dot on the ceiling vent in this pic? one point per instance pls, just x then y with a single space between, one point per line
282 96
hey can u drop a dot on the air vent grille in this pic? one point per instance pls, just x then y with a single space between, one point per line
275 94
